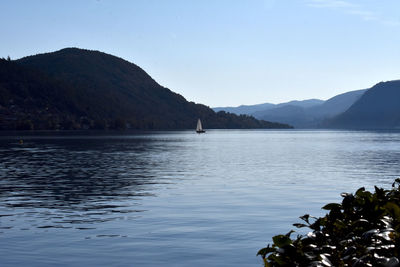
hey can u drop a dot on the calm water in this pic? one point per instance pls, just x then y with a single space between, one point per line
176 198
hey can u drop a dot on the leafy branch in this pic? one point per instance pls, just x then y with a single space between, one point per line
362 230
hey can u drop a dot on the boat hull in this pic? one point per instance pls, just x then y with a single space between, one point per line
200 131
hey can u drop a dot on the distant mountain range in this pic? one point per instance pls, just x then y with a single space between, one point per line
253 109
82 89
312 113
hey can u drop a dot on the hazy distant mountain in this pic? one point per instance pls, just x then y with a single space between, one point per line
310 116
379 107
293 111
295 114
336 104
245 109
78 89
302 103
252 109
301 114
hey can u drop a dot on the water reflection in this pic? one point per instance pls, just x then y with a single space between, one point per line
59 182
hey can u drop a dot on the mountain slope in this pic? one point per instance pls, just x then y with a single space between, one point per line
75 88
295 114
336 104
27 95
111 84
379 107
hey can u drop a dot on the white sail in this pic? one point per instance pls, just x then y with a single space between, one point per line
199 127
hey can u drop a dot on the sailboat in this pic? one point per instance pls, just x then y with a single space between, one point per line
199 128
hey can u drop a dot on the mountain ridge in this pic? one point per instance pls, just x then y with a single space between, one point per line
310 113
75 88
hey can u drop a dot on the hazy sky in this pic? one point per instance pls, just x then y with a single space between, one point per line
222 52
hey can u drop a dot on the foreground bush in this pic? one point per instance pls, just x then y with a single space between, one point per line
363 230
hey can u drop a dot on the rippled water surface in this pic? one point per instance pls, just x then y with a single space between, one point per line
174 198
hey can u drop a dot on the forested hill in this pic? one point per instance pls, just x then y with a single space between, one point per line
82 89
379 107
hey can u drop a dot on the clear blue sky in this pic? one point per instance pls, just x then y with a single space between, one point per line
222 52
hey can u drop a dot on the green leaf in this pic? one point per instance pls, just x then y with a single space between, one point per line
360 223
380 192
332 206
264 251
300 225
289 233
305 218
278 260
339 225
325 260
266 263
281 240
360 191
394 209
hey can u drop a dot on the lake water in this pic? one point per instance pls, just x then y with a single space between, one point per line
174 198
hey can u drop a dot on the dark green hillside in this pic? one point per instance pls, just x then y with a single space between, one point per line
115 89
29 97
379 107
79 89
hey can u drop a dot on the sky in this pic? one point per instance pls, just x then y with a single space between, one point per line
222 52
